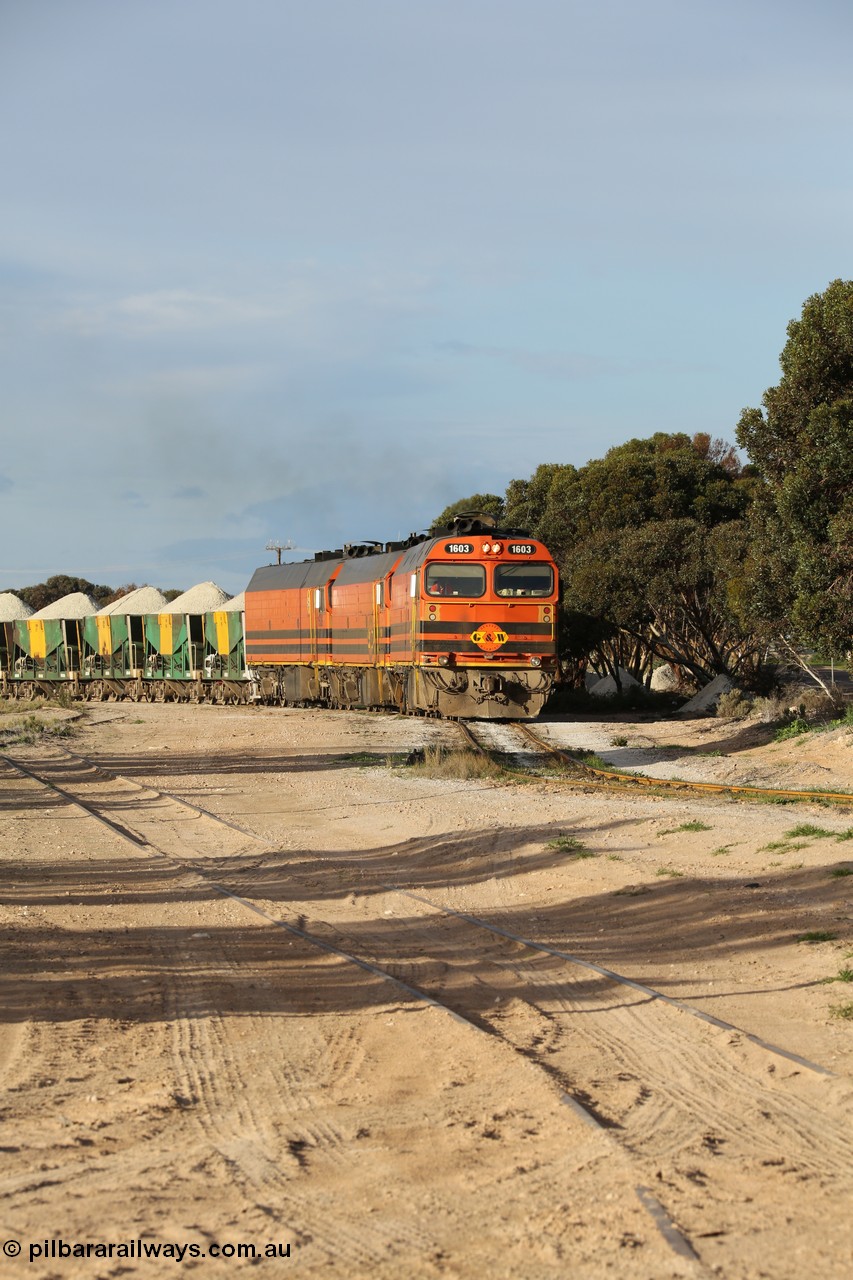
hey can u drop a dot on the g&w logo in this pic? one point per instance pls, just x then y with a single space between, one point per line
489 637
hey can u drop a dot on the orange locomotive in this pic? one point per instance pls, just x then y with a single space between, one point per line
459 623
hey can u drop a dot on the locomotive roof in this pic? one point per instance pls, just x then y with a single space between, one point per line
355 568
305 573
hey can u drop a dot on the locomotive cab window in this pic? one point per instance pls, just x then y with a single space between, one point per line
524 579
465 581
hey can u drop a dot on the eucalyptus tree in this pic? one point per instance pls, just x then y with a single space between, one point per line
801 441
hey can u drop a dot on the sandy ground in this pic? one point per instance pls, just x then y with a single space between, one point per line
180 1070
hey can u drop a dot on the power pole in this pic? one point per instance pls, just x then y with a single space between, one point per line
278 547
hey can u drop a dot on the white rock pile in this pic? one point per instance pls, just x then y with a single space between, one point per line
135 603
607 685
237 604
203 598
706 699
75 605
664 679
12 608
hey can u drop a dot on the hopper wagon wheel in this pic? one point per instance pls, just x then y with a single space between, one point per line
160 693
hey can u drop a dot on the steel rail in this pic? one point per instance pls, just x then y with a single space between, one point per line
165 795
469 732
619 978
677 784
470 737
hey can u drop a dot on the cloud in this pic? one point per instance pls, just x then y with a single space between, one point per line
190 491
303 295
133 499
6 484
551 364
169 311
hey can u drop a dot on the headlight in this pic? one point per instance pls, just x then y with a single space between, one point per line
536 662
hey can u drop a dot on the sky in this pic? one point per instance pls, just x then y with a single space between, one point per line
277 271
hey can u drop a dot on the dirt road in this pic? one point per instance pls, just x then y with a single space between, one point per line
321 1026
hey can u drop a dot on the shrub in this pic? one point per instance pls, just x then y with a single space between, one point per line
792 730
734 705
438 762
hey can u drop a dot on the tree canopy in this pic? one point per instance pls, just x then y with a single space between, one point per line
490 504
61 584
650 542
45 593
670 548
801 442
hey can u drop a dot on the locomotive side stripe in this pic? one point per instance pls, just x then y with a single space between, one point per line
458 644
285 650
322 633
451 646
296 651
452 626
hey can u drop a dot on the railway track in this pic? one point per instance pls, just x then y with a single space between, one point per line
481 736
700 1088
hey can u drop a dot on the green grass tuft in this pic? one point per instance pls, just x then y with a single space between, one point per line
838 873
818 935
792 730
592 761
570 844
842 1011
687 826
808 829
